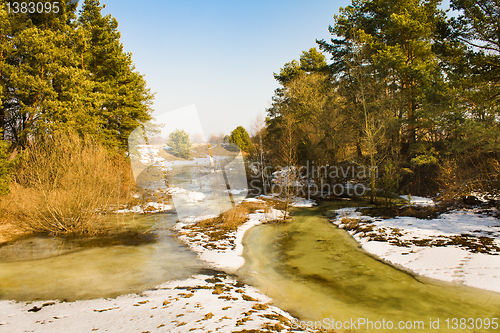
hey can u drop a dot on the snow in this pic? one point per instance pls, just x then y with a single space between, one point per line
485 196
418 201
448 263
195 305
253 200
294 201
150 207
201 303
227 257
188 196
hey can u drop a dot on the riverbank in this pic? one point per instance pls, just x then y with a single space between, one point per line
220 245
460 246
10 232
218 301
214 301
203 303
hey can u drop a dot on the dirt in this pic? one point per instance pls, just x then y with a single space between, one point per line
10 232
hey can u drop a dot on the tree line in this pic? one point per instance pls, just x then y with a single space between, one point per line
66 71
405 87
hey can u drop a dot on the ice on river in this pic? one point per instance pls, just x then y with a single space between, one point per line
447 263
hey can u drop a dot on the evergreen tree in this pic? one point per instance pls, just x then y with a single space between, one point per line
397 39
305 102
241 138
125 100
179 141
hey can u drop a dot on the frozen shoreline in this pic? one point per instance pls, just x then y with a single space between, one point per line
199 304
226 257
423 245
218 302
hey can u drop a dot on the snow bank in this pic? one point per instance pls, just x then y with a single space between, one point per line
295 201
150 207
223 254
418 201
447 263
200 304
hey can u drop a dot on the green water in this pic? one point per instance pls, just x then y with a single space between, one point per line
83 268
320 274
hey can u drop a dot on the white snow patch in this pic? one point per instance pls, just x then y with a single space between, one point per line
189 196
418 201
165 309
294 202
227 257
450 263
150 207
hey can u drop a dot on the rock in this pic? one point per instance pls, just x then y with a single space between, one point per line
471 200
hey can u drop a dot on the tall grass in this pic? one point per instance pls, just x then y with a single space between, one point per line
64 184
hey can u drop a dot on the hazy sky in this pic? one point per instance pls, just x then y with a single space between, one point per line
218 55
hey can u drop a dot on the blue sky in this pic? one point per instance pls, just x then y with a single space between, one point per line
218 55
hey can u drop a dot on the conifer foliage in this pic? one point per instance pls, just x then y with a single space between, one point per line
68 71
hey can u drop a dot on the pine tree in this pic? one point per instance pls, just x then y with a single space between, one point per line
44 90
241 138
179 141
125 100
397 39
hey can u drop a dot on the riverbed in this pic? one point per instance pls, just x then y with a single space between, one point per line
316 271
308 267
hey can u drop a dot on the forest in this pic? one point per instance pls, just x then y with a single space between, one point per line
408 88
69 99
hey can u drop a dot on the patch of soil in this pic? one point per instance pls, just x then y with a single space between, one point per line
10 232
425 212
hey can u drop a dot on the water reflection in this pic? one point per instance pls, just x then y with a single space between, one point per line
76 268
316 271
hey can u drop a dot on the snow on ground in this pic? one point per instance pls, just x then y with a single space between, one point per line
226 254
418 201
188 196
158 207
202 303
459 246
485 196
295 201
150 207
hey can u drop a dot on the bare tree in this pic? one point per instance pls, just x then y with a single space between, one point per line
257 129
288 157
214 138
197 138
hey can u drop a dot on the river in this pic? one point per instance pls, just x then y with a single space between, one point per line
320 274
308 267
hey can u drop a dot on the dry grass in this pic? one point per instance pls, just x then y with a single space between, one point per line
9 230
66 185
219 227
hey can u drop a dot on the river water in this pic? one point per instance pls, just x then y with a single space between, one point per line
316 271
308 266
45 267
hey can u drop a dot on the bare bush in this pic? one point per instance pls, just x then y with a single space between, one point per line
66 185
464 178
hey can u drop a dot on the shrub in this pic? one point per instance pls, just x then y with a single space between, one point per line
179 141
65 185
460 178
